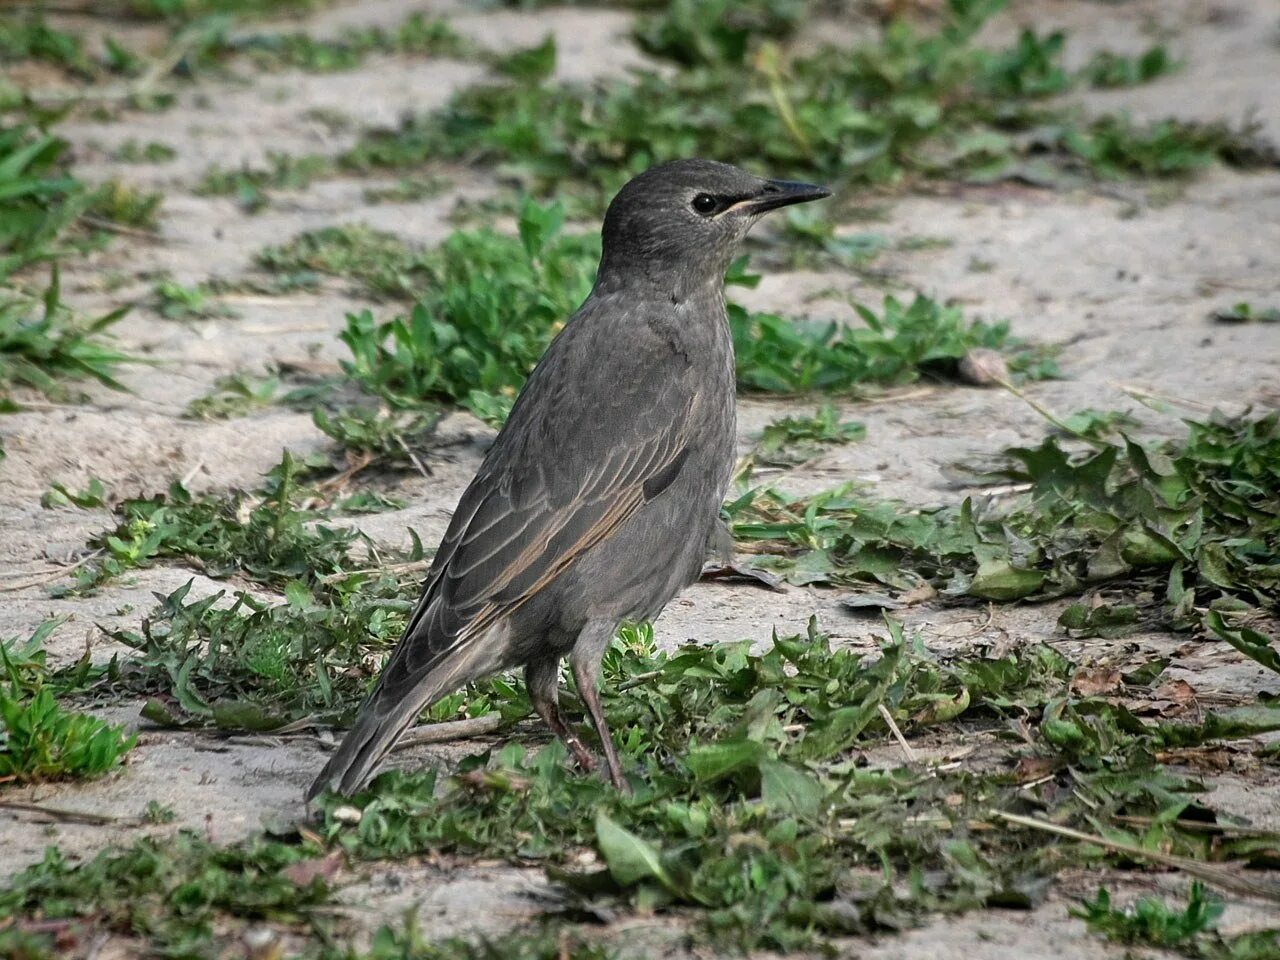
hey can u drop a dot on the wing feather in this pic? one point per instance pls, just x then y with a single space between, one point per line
504 545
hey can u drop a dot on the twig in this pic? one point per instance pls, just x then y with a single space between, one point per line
895 397
450 730
95 948
263 329
110 226
412 457
337 481
1141 394
1049 415
1229 880
1199 826
55 813
638 680
768 63
160 68
54 575
191 474
897 734
408 567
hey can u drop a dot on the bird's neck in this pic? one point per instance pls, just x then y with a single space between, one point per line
658 285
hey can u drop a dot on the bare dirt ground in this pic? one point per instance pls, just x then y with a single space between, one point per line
1126 279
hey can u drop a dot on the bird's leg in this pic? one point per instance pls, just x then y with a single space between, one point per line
542 677
585 660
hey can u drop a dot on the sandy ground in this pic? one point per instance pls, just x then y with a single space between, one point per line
1126 280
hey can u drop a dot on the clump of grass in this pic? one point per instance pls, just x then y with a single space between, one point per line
693 32
30 37
265 536
908 104
1108 70
798 355
1194 520
1114 147
383 435
50 213
418 35
153 151
235 395
168 890
186 10
1245 312
41 199
381 262
489 305
40 739
251 184
408 190
258 666
119 203
176 301
1151 921
43 344
791 440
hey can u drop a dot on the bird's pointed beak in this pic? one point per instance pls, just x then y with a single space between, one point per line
783 193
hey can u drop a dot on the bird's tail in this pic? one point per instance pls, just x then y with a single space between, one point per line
388 710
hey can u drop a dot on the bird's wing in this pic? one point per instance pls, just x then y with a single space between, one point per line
518 528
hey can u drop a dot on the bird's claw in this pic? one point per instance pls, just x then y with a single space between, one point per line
582 755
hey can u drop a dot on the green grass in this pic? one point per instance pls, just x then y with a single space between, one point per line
174 301
42 201
1197 523
714 32
1108 70
29 37
418 36
897 345
185 10
381 263
1150 921
235 395
748 808
50 215
265 536
40 739
906 105
792 440
43 344
250 185
488 303
1245 312
152 151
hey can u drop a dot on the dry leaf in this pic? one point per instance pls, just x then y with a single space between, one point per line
1096 681
303 872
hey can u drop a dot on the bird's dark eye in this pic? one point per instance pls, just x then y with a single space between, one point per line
705 204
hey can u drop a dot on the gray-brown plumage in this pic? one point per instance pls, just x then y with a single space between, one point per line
597 500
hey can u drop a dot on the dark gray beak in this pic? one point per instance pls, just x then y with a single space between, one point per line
783 193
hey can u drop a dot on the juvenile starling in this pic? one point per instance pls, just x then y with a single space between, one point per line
597 500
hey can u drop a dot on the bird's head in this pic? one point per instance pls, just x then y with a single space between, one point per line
680 223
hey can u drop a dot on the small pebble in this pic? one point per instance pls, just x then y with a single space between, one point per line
347 814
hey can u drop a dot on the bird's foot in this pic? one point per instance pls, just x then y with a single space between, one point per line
586 762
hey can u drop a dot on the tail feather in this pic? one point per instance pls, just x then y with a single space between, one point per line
388 712
381 721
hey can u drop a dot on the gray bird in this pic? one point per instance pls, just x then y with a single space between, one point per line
599 497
